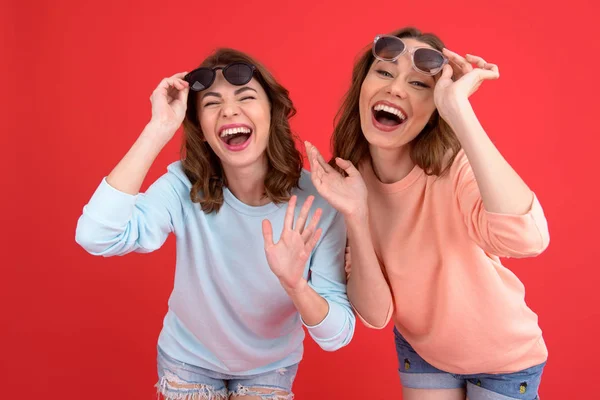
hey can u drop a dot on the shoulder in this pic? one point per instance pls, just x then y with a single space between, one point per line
458 165
175 181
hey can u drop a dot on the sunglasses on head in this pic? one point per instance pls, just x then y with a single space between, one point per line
425 60
237 73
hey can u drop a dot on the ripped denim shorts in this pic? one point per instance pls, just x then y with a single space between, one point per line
181 381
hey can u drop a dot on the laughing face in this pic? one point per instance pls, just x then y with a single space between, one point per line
396 102
235 121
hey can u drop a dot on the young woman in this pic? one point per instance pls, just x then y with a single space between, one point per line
430 210
234 324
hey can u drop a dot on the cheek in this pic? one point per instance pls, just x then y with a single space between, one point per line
365 92
369 88
425 105
261 117
207 125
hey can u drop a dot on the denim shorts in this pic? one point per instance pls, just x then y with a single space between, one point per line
178 380
416 373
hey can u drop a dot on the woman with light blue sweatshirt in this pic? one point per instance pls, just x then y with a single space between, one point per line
251 269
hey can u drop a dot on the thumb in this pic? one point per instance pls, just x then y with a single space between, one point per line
446 77
347 167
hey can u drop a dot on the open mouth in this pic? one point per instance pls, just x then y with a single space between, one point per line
237 137
386 117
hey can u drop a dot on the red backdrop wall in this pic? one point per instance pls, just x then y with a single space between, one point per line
76 78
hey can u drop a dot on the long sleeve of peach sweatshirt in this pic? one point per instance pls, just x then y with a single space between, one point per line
454 301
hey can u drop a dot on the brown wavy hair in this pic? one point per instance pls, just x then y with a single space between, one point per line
203 167
435 147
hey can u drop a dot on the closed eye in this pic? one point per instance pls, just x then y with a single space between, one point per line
248 98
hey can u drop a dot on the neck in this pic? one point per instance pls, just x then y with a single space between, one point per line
391 165
248 183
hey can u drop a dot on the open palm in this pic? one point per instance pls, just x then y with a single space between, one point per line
287 258
347 194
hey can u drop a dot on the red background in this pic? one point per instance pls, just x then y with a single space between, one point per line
76 82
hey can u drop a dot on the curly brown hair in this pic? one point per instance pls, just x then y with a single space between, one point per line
435 147
203 167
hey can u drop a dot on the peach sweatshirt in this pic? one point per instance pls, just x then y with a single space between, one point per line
455 303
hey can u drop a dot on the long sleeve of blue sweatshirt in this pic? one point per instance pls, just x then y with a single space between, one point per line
227 311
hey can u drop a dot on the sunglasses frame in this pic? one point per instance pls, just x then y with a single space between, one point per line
213 70
411 51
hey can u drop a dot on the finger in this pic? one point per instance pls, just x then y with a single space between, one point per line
267 231
487 74
316 166
480 62
458 60
315 158
183 83
326 167
308 247
448 76
162 89
312 225
347 166
319 174
315 170
182 95
288 222
307 145
178 84
474 79
492 67
447 72
304 214
310 155
179 75
167 85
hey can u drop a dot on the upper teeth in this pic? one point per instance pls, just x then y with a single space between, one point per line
234 131
391 110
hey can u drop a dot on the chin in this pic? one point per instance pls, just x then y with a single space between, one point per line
243 160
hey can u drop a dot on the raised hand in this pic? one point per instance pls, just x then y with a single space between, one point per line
169 103
347 194
451 92
287 258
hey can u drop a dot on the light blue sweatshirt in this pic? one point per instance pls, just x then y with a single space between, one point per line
227 312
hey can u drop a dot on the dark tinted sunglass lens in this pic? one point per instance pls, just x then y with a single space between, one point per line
388 48
201 79
428 60
238 73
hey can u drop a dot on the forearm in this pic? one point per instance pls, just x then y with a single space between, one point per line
130 172
502 189
312 307
368 290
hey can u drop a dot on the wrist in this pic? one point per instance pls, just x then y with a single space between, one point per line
358 217
160 130
454 110
299 289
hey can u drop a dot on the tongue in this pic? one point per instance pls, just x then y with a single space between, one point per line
386 118
387 121
238 139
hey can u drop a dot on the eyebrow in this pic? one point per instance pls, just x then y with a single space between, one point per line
381 61
238 91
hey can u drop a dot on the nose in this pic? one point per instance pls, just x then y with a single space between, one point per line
397 88
230 109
